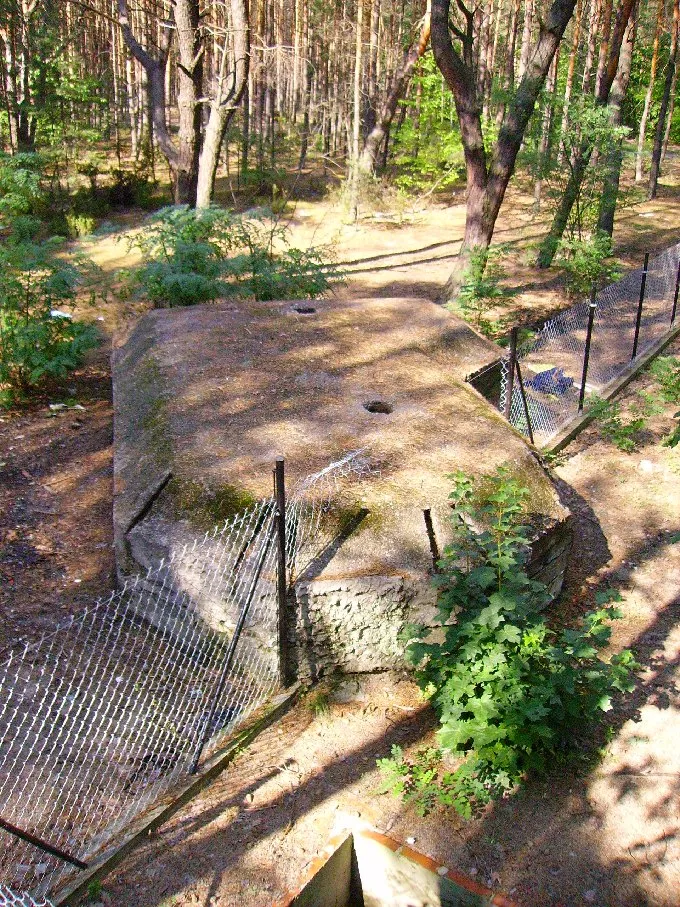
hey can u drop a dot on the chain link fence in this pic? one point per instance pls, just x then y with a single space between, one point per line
9 898
101 718
631 317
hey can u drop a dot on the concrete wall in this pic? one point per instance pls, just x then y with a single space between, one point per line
354 624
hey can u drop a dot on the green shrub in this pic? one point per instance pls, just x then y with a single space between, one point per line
197 256
587 262
38 340
672 439
666 372
513 696
80 225
20 184
481 291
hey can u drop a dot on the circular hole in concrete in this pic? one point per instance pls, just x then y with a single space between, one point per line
304 309
379 406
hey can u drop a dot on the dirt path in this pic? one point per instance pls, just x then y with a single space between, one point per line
608 838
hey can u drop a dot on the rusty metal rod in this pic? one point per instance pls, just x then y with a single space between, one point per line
281 570
41 845
586 354
675 297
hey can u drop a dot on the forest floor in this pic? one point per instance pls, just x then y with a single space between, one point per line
608 837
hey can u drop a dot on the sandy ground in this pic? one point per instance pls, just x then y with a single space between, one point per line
610 837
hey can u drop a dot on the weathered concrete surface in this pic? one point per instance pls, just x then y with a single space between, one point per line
205 399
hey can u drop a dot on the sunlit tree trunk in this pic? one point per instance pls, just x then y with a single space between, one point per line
671 71
612 178
642 132
487 179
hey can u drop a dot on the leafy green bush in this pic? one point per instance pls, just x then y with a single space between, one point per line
666 372
80 225
427 148
513 695
587 262
20 184
481 291
197 256
38 340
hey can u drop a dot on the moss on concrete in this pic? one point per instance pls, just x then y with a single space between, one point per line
205 507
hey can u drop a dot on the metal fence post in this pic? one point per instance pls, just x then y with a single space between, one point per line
281 570
586 353
511 373
525 403
432 539
675 297
638 320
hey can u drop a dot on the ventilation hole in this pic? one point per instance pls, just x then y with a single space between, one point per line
379 406
304 309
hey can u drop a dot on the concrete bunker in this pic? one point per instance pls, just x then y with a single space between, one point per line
206 397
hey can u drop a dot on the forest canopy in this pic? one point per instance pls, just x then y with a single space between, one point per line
117 94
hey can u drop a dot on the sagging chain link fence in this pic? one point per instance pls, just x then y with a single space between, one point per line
9 898
102 717
546 380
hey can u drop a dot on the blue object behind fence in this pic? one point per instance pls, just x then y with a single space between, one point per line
552 381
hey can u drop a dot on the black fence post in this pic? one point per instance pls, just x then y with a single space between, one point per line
45 846
675 297
525 403
511 374
586 353
638 320
281 569
432 539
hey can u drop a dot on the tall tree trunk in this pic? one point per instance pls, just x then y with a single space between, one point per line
369 156
610 192
593 22
571 67
544 147
182 157
650 91
487 182
582 159
671 109
665 101
356 117
225 99
526 38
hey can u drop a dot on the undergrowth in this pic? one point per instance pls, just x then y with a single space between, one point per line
626 432
514 697
197 256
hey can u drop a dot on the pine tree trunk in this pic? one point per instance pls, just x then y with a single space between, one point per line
226 97
356 118
582 158
650 90
665 102
369 156
614 160
488 181
571 67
